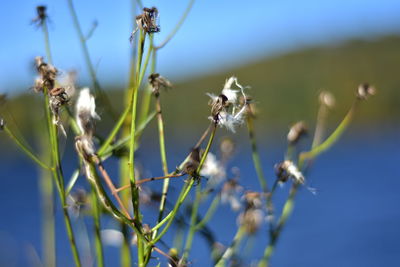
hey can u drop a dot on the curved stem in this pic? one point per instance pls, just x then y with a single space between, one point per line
178 25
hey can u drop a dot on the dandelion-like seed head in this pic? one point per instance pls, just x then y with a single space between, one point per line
287 169
86 112
226 109
364 91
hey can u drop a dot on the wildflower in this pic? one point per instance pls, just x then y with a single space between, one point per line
229 193
287 169
225 108
157 82
327 99
252 216
298 130
365 90
85 116
213 169
147 21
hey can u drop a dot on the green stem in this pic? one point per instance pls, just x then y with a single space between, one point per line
25 149
97 236
331 139
82 40
210 212
182 196
164 163
233 247
193 223
255 155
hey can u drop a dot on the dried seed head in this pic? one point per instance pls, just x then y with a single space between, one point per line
147 21
193 162
157 82
287 169
327 99
2 123
252 220
86 112
47 75
229 194
297 131
218 104
41 15
58 97
365 90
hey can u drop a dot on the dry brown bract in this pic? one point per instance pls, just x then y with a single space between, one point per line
157 82
147 21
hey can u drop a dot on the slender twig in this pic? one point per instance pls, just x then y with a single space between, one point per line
96 213
177 27
233 247
24 148
82 40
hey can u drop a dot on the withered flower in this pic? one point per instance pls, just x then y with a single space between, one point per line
41 16
157 82
252 216
58 97
365 90
47 75
226 109
193 162
297 131
230 192
2 123
287 169
85 116
147 21
327 99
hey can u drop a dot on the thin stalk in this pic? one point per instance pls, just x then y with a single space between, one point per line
96 212
82 40
193 223
331 139
57 170
47 203
164 163
210 212
256 155
134 189
25 149
233 247
182 196
177 26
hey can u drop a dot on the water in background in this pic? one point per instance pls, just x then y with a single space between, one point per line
352 221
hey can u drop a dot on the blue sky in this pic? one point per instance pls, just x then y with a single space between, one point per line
216 34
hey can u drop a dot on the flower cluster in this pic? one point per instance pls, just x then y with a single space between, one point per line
85 116
226 108
57 95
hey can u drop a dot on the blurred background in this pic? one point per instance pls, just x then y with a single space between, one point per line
287 52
